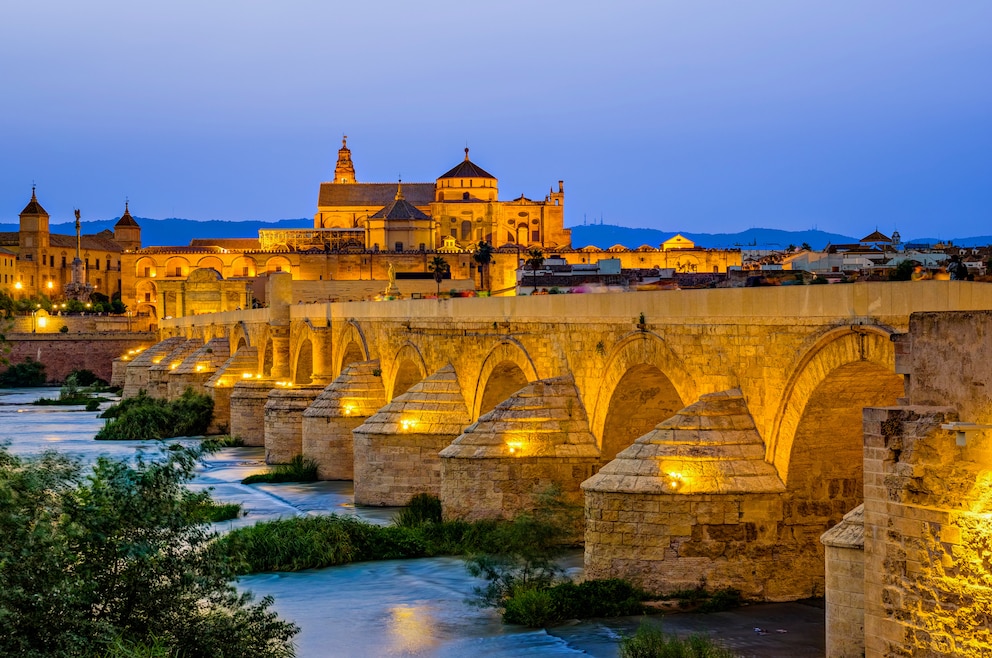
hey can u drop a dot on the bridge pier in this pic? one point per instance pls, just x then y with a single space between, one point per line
136 377
502 464
198 367
158 374
248 398
283 414
693 502
345 404
222 382
396 450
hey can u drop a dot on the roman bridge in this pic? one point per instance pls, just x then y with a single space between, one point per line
713 435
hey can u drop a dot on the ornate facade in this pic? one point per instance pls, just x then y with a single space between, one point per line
462 204
41 261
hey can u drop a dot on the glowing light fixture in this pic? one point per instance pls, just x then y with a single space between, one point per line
200 367
42 322
18 286
674 482
50 285
348 408
173 366
246 375
407 424
515 446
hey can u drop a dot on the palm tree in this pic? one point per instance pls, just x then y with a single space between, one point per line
535 259
439 267
483 256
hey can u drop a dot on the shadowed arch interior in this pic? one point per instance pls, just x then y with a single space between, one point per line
643 397
352 354
506 379
304 363
407 374
267 359
826 479
242 342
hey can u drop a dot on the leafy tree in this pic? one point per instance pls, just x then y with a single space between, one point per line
25 374
7 304
903 271
93 559
484 256
805 247
535 259
439 267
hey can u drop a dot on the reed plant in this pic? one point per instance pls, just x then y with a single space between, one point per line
651 642
299 469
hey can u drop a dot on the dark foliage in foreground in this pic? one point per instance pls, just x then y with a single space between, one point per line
142 417
27 374
96 560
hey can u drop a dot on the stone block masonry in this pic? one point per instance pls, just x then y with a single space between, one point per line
63 353
283 413
248 398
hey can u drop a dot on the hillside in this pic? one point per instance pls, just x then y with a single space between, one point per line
175 232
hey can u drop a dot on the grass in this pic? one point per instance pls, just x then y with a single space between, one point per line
701 600
299 469
216 512
538 607
651 642
81 399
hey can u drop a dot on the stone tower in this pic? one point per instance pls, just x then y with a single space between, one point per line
344 172
34 234
127 233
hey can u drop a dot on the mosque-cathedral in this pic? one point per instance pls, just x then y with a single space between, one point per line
361 231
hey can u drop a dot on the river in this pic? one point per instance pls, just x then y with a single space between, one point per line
396 607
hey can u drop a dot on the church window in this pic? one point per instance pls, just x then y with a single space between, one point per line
467 230
399 246
99 282
244 271
97 263
536 236
63 260
108 264
148 271
454 233
278 268
87 263
32 280
465 196
179 270
148 297
44 259
556 202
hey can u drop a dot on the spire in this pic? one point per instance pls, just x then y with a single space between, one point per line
399 189
33 197
344 172
466 154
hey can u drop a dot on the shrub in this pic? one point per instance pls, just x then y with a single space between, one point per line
143 417
422 508
29 373
651 642
64 329
532 607
299 469
86 377
93 405
113 560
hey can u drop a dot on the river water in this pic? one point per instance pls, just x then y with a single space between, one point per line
396 607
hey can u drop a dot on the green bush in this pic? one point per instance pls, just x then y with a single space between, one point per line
113 560
532 607
143 417
538 608
85 377
422 508
29 373
93 404
651 642
299 469
211 512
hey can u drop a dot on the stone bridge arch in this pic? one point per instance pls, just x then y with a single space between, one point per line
302 357
643 383
506 369
239 337
844 370
354 348
408 367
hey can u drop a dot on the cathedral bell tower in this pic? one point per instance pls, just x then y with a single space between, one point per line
344 172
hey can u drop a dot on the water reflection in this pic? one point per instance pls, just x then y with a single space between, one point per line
390 608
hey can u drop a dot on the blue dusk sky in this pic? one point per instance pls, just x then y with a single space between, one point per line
694 116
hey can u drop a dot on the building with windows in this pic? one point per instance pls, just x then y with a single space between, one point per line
40 262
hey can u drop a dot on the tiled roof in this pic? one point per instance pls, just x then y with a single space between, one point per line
10 238
126 219
33 207
876 237
373 195
400 209
236 244
466 169
102 241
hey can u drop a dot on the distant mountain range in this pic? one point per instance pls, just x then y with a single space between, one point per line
173 232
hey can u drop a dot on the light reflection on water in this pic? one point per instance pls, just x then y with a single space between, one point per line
389 608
